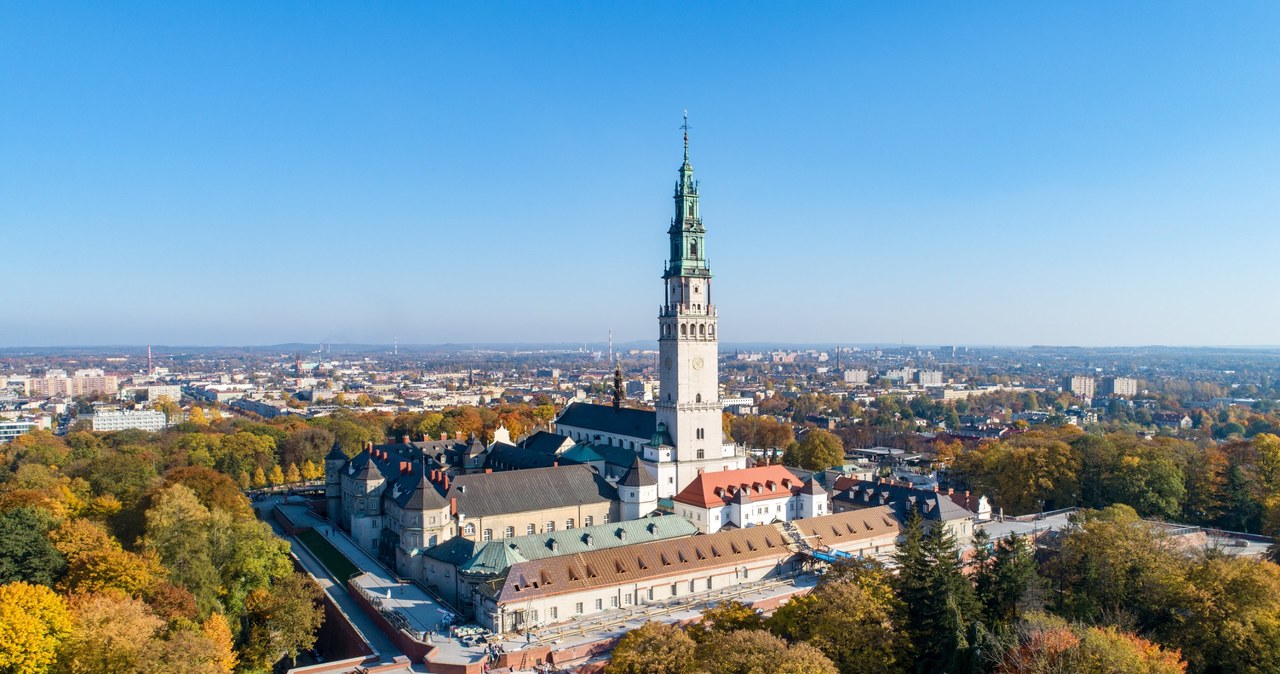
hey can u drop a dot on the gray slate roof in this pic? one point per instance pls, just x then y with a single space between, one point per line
517 491
604 418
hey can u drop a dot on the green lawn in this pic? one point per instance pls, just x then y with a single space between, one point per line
333 560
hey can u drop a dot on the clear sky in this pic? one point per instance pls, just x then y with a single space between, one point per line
975 173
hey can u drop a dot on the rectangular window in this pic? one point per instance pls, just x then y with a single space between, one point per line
650 594
675 590
691 587
554 612
551 526
613 601
488 534
588 521
708 582
530 530
626 599
578 608
599 604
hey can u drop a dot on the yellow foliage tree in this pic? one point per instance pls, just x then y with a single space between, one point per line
292 475
216 629
110 633
197 417
96 562
310 471
276 477
259 478
33 621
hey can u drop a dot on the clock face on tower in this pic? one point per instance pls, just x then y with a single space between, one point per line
697 363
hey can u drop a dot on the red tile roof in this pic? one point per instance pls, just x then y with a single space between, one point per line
710 490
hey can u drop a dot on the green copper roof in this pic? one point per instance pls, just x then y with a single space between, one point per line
496 557
582 454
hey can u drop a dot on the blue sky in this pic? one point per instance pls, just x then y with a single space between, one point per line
996 173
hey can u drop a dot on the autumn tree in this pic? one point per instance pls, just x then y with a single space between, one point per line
819 450
759 652
110 632
1233 625
276 476
96 562
653 648
281 621
727 616
1049 645
33 621
855 620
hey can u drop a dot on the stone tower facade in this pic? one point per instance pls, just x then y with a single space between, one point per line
689 438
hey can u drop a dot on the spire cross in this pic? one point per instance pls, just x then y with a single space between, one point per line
685 127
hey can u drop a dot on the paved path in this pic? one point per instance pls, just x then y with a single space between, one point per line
368 629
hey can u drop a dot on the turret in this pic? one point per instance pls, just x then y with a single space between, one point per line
333 463
637 491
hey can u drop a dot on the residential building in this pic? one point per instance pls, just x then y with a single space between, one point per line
152 421
1079 386
957 511
928 377
855 376
1125 387
10 429
748 497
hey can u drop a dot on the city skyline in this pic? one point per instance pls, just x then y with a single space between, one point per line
871 175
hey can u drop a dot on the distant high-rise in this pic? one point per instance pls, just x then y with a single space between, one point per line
1080 386
1125 387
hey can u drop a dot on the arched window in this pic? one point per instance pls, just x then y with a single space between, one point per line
530 530
684 330
712 331
488 535
698 398
693 249
469 530
702 331
551 526
568 524
509 533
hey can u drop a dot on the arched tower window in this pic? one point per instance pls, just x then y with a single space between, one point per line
698 398
693 249
684 330
702 331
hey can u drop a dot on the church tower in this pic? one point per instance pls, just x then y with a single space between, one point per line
689 408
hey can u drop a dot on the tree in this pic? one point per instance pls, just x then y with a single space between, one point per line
259 478
281 621
184 652
854 620
309 443
33 621
653 648
26 553
1002 574
819 450
942 611
725 617
1034 471
216 629
292 475
110 633
759 652
310 471
1111 564
197 417
96 562
1233 625
1049 645
276 476
212 488
178 531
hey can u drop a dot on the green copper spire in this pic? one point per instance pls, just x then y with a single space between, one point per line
688 258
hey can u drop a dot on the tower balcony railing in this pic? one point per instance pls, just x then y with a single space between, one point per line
674 310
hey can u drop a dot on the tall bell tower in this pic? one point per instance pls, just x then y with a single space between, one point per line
689 406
